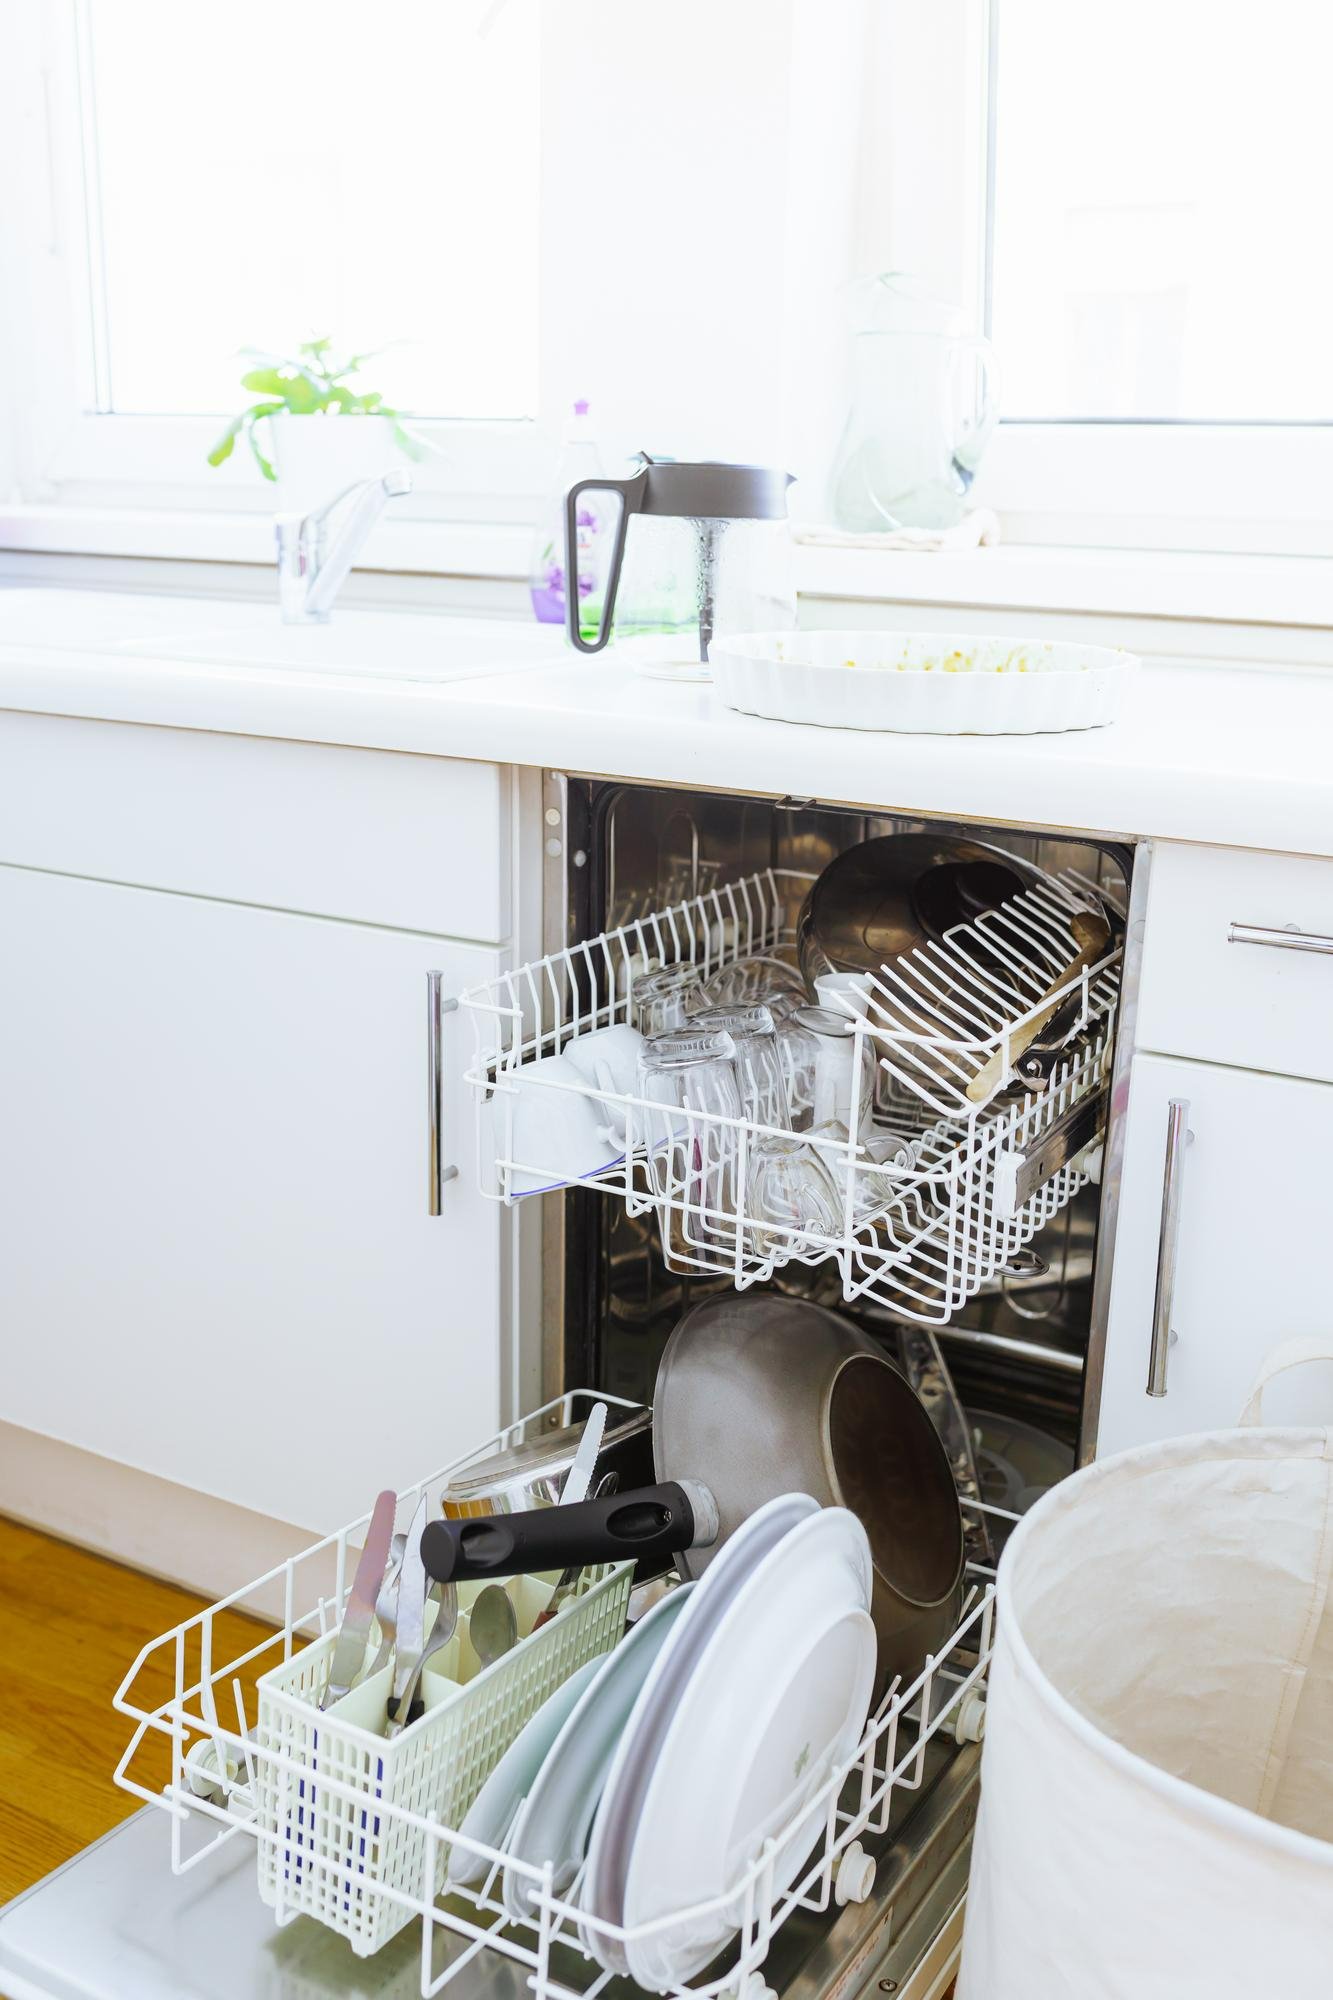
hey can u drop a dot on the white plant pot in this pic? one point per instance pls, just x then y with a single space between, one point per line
316 457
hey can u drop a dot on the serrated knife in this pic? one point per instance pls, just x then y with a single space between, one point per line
579 1477
349 1653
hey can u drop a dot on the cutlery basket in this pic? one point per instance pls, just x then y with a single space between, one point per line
333 1796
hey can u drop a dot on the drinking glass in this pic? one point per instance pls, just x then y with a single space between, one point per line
691 1122
830 1076
789 1193
758 1065
766 980
662 999
874 1187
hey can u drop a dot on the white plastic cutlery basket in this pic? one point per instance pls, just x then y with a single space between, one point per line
976 1180
356 1832
338 1800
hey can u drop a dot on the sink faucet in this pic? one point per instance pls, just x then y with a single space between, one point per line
309 573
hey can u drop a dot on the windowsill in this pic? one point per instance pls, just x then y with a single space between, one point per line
1291 591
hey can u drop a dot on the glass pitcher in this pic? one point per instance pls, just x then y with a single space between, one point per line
699 550
923 409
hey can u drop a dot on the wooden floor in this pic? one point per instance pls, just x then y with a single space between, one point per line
70 1625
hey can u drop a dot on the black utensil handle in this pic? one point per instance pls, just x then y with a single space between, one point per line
652 1521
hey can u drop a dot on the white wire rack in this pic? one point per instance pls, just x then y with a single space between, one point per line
560 1946
921 1237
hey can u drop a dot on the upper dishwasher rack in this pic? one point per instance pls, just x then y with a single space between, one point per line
920 1238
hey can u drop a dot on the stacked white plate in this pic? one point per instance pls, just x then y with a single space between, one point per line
705 1733
951 684
762 1686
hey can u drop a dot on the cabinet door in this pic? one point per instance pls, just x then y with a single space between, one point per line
1255 1218
218 1264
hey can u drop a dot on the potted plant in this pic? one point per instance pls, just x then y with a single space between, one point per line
304 458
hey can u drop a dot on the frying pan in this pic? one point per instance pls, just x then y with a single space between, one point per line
758 1396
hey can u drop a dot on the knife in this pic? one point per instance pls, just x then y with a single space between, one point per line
350 1651
410 1637
568 1578
579 1477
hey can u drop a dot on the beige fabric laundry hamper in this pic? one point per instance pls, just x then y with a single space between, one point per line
1157 1780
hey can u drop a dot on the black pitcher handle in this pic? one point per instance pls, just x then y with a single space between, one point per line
631 493
652 1522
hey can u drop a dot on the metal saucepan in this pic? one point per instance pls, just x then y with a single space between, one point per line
755 1397
532 1474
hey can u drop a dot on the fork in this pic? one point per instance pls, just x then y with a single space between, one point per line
386 1606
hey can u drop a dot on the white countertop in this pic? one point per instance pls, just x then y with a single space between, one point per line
1235 755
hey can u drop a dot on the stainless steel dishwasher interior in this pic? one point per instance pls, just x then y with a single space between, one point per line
1018 1353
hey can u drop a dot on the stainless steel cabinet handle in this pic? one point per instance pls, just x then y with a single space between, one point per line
1288 940
436 1008
1178 1136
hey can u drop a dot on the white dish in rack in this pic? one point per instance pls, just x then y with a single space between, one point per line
555 1820
496 1805
641 1743
776 1701
922 683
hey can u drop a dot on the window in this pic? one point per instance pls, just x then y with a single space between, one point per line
251 172
522 202
657 204
1157 289
1161 177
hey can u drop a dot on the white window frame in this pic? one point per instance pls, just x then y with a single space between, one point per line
920 203
1160 486
68 456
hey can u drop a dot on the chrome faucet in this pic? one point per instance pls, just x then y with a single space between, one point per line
311 573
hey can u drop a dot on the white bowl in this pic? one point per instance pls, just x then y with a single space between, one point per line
950 684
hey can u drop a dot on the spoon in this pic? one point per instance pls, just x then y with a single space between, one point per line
493 1625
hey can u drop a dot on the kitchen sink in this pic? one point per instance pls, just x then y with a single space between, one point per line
382 645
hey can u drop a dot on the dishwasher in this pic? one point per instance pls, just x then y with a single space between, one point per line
988 1250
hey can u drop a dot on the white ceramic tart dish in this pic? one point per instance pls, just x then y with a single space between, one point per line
922 683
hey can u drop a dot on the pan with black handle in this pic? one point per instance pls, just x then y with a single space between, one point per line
652 1523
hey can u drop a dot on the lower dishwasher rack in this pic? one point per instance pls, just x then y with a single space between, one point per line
974 1180
222 1770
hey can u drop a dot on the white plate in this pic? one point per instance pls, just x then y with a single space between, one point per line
779 1698
939 683
622 1796
492 1812
555 1819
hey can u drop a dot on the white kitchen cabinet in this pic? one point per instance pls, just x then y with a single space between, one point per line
1255 1222
218 1262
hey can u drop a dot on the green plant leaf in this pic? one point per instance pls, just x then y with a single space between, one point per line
251 420
267 381
226 444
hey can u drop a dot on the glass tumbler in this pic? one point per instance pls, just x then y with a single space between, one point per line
830 1076
691 1126
789 1194
770 982
662 1000
758 1064
877 1177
